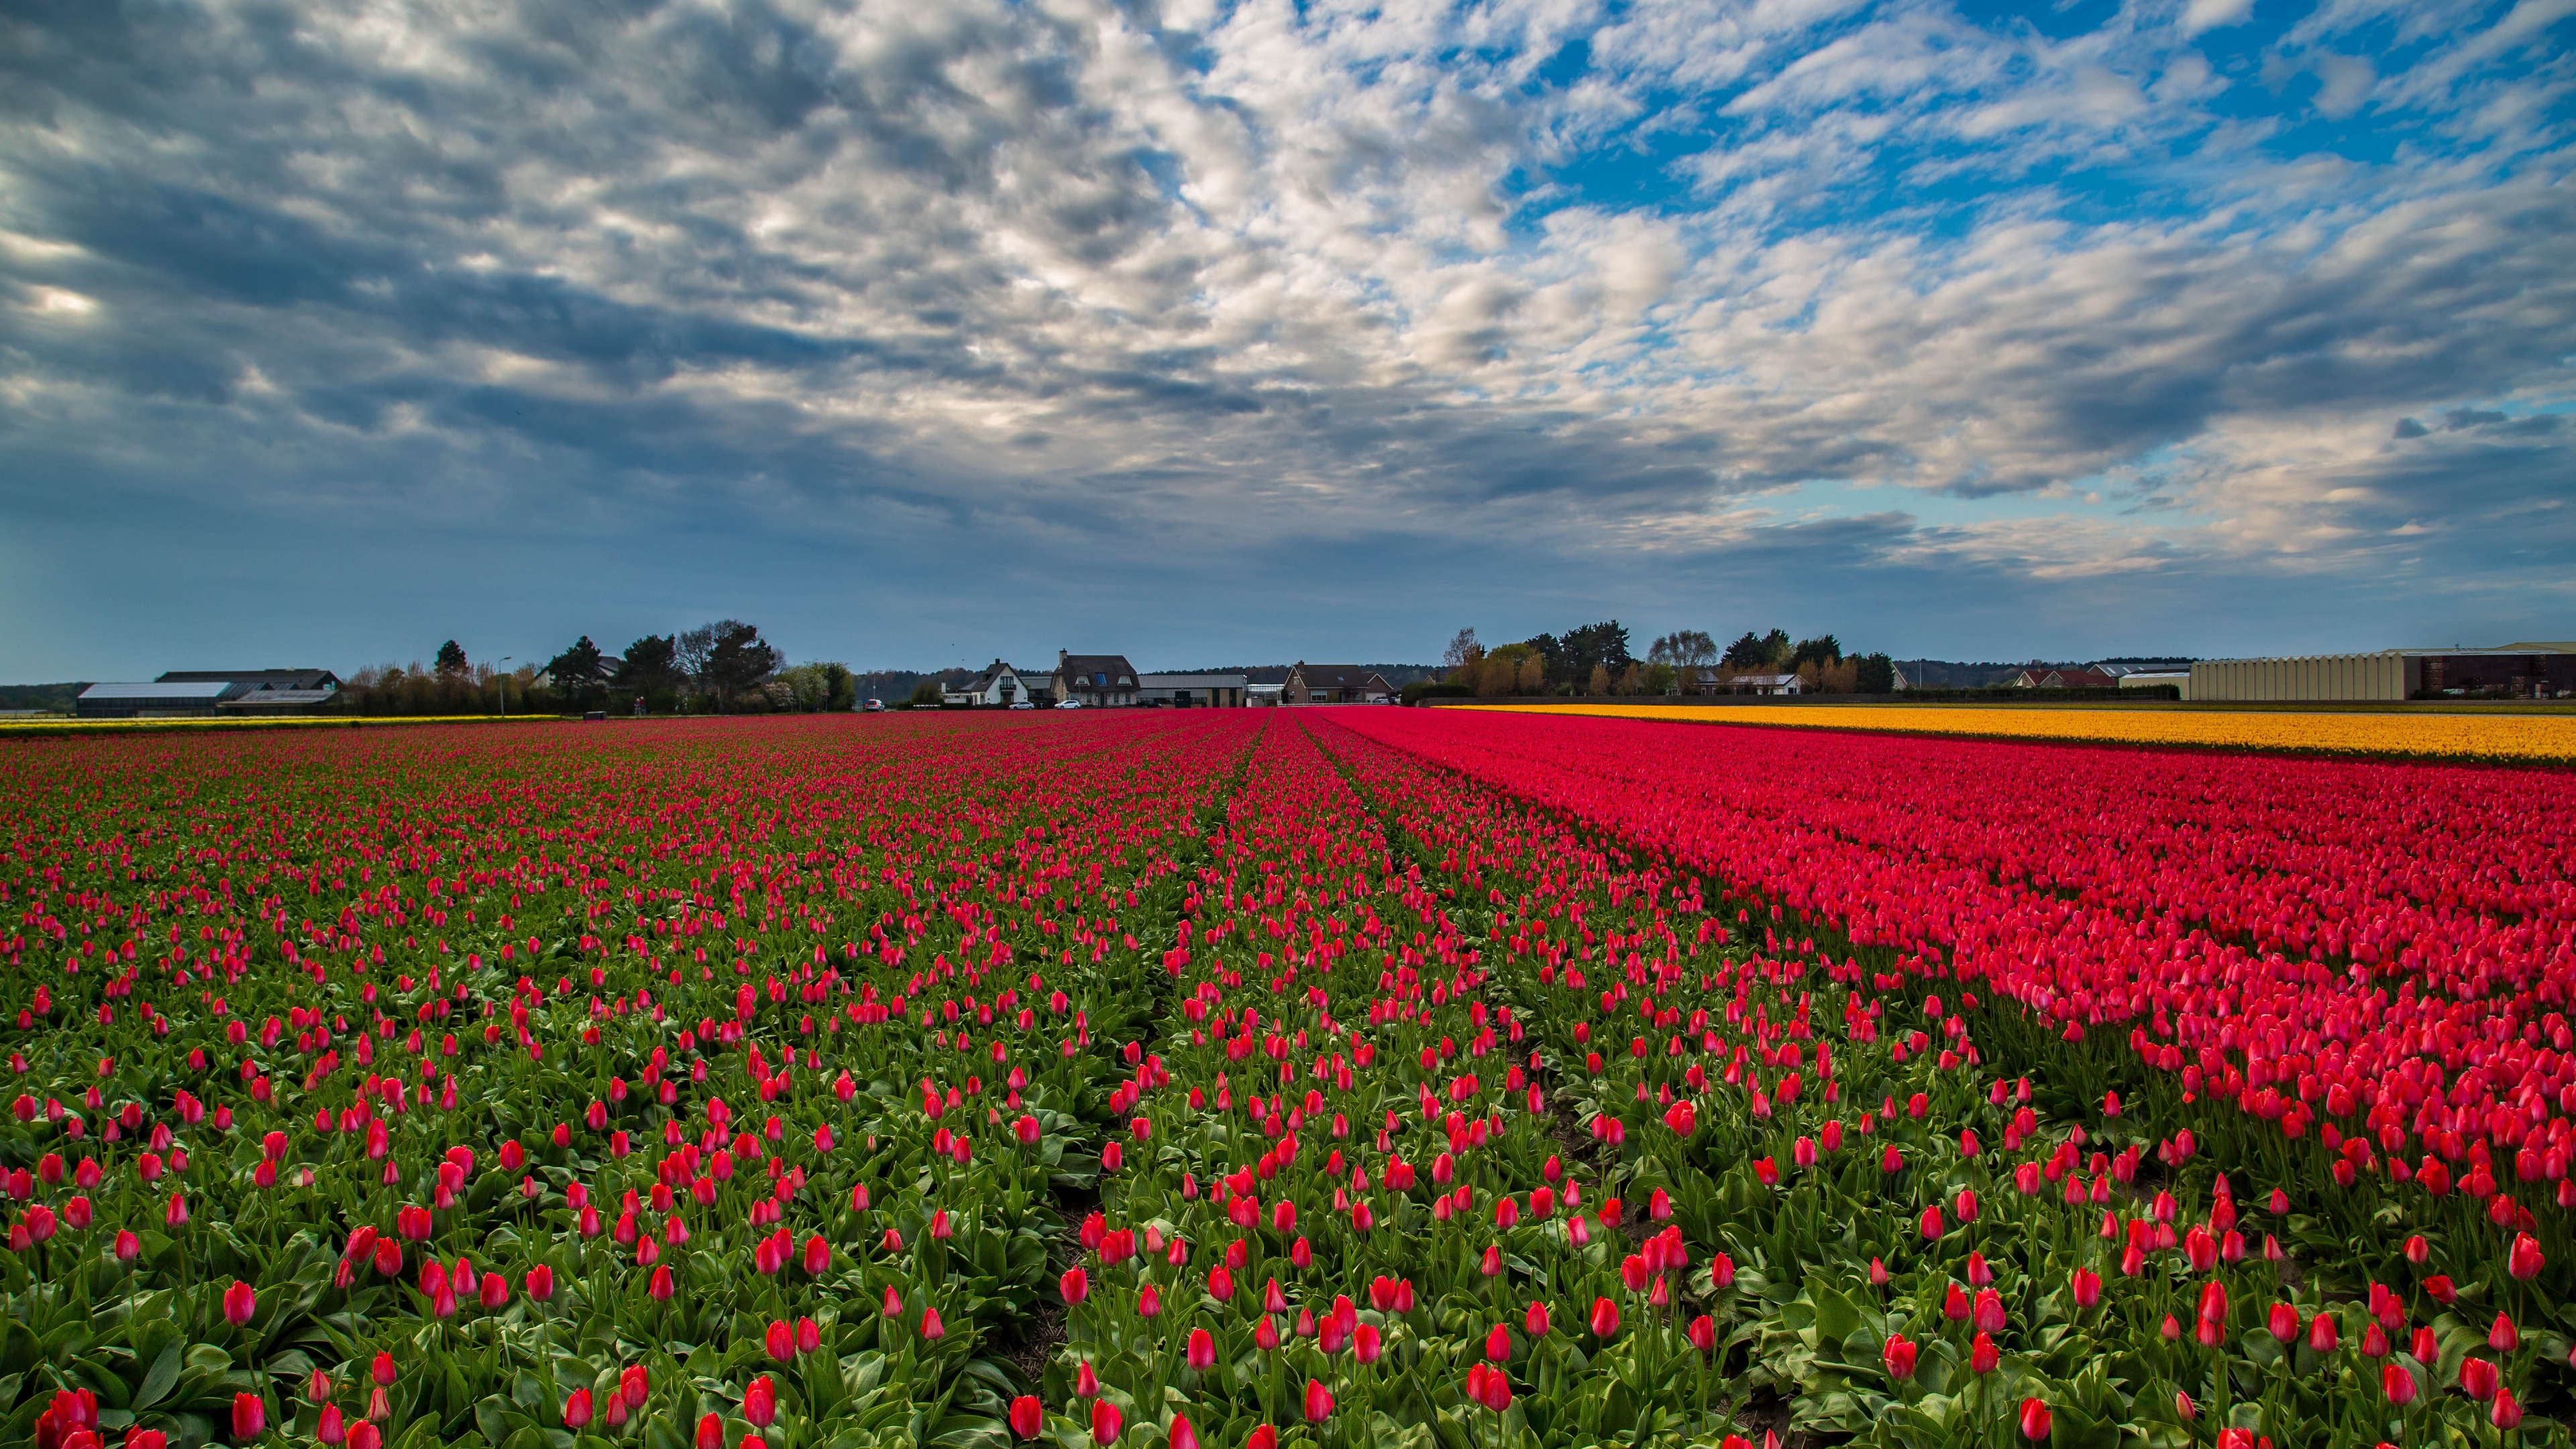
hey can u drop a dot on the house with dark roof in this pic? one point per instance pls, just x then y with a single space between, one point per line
1100 681
1335 684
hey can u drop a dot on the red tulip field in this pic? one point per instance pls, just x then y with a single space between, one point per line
1249 1079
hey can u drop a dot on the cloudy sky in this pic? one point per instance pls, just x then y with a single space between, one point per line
1219 332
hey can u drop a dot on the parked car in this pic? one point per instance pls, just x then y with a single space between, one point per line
876 706
1023 704
1069 704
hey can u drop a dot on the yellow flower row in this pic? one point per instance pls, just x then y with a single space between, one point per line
2452 736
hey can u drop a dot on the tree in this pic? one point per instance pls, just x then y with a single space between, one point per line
1823 649
1551 653
1462 651
1600 681
926 694
1683 649
1497 675
1659 679
690 652
1876 675
580 674
1603 646
1533 673
738 659
650 667
451 661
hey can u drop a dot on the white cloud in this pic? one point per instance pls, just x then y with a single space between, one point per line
2205 15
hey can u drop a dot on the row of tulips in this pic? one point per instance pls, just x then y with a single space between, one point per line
575 1072
1746 1091
1346 1219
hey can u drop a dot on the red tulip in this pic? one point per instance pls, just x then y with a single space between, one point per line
2321 1333
710 1433
2398 1383
1605 1318
250 1417
240 1302
2523 1259
1106 1421
2034 1419
2503 1338
576 1410
1319 1402
760 1402
1898 1355
2283 1322
1028 1416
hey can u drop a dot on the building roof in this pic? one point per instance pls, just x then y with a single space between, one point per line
1082 669
279 698
177 690
986 678
1190 681
256 678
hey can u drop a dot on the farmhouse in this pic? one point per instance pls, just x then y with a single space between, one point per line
1768 684
1334 684
1101 681
998 686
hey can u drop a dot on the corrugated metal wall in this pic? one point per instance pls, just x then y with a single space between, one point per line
2380 676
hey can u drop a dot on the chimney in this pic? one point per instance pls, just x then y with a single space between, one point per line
1060 658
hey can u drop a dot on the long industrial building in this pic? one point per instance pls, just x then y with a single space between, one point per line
2522 671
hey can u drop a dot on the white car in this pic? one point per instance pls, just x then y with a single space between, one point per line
1024 704
1069 704
876 706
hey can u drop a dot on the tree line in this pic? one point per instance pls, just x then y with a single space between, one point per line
1596 660
724 667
